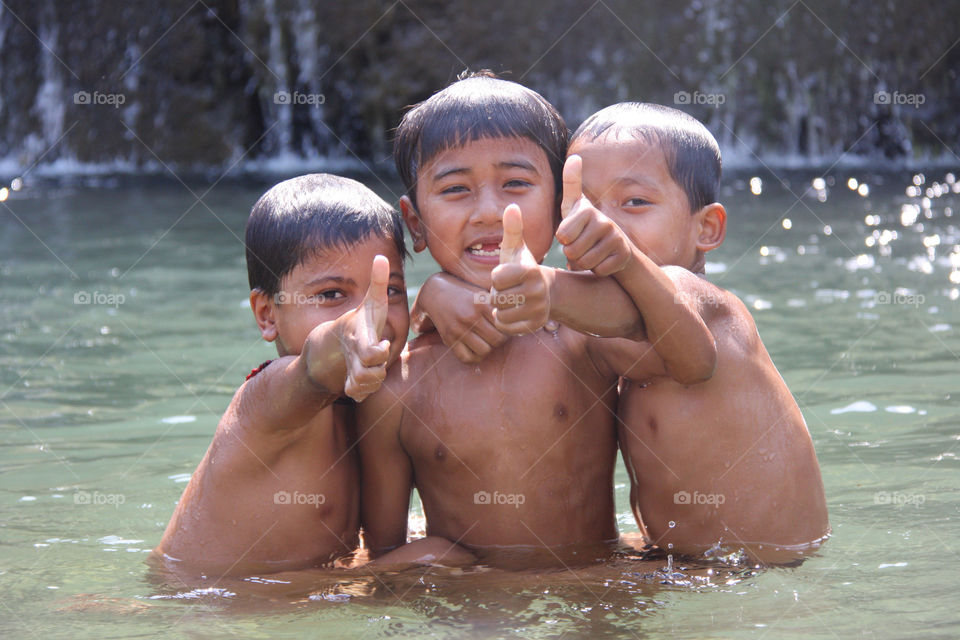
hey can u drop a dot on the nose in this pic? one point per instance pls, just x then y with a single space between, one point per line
489 209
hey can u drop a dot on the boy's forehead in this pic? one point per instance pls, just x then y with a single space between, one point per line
630 151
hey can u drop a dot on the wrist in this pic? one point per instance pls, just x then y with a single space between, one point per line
550 282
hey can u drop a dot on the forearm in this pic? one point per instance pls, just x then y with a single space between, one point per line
420 321
595 305
386 478
323 362
672 320
384 505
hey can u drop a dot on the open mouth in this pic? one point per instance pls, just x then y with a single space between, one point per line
487 249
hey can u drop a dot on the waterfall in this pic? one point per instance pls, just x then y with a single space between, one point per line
302 81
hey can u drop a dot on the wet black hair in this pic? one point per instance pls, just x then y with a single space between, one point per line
478 105
691 151
301 217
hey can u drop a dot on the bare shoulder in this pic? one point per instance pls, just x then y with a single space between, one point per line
725 314
714 301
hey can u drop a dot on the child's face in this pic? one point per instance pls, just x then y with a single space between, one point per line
326 286
628 180
461 194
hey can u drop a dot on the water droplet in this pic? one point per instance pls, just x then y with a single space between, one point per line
671 524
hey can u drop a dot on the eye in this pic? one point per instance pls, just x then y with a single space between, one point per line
329 296
636 202
517 183
453 189
394 291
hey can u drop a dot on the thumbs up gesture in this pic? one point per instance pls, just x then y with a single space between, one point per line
592 241
521 288
364 352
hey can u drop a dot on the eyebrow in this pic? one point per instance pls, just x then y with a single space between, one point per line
642 182
509 164
342 280
334 279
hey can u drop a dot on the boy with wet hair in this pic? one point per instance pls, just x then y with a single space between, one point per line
727 464
278 488
719 466
512 458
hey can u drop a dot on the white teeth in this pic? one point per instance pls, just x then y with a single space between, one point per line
478 251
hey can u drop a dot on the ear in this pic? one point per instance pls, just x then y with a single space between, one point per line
414 224
264 311
712 227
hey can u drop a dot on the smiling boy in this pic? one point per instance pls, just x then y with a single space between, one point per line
727 464
517 452
723 465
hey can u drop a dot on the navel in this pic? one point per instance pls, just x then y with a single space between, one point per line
440 453
560 411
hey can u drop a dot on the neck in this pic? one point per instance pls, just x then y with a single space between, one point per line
699 265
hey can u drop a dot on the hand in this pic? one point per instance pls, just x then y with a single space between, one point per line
359 331
461 314
592 241
521 287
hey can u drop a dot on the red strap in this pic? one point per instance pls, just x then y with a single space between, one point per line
254 372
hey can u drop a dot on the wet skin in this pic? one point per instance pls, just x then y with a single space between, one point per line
282 432
736 444
532 426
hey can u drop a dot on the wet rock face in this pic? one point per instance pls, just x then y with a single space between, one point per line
210 83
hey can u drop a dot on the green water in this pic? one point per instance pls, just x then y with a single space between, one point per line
107 407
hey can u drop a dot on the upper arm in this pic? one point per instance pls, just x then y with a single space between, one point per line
282 397
386 473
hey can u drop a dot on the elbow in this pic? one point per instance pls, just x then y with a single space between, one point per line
698 370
